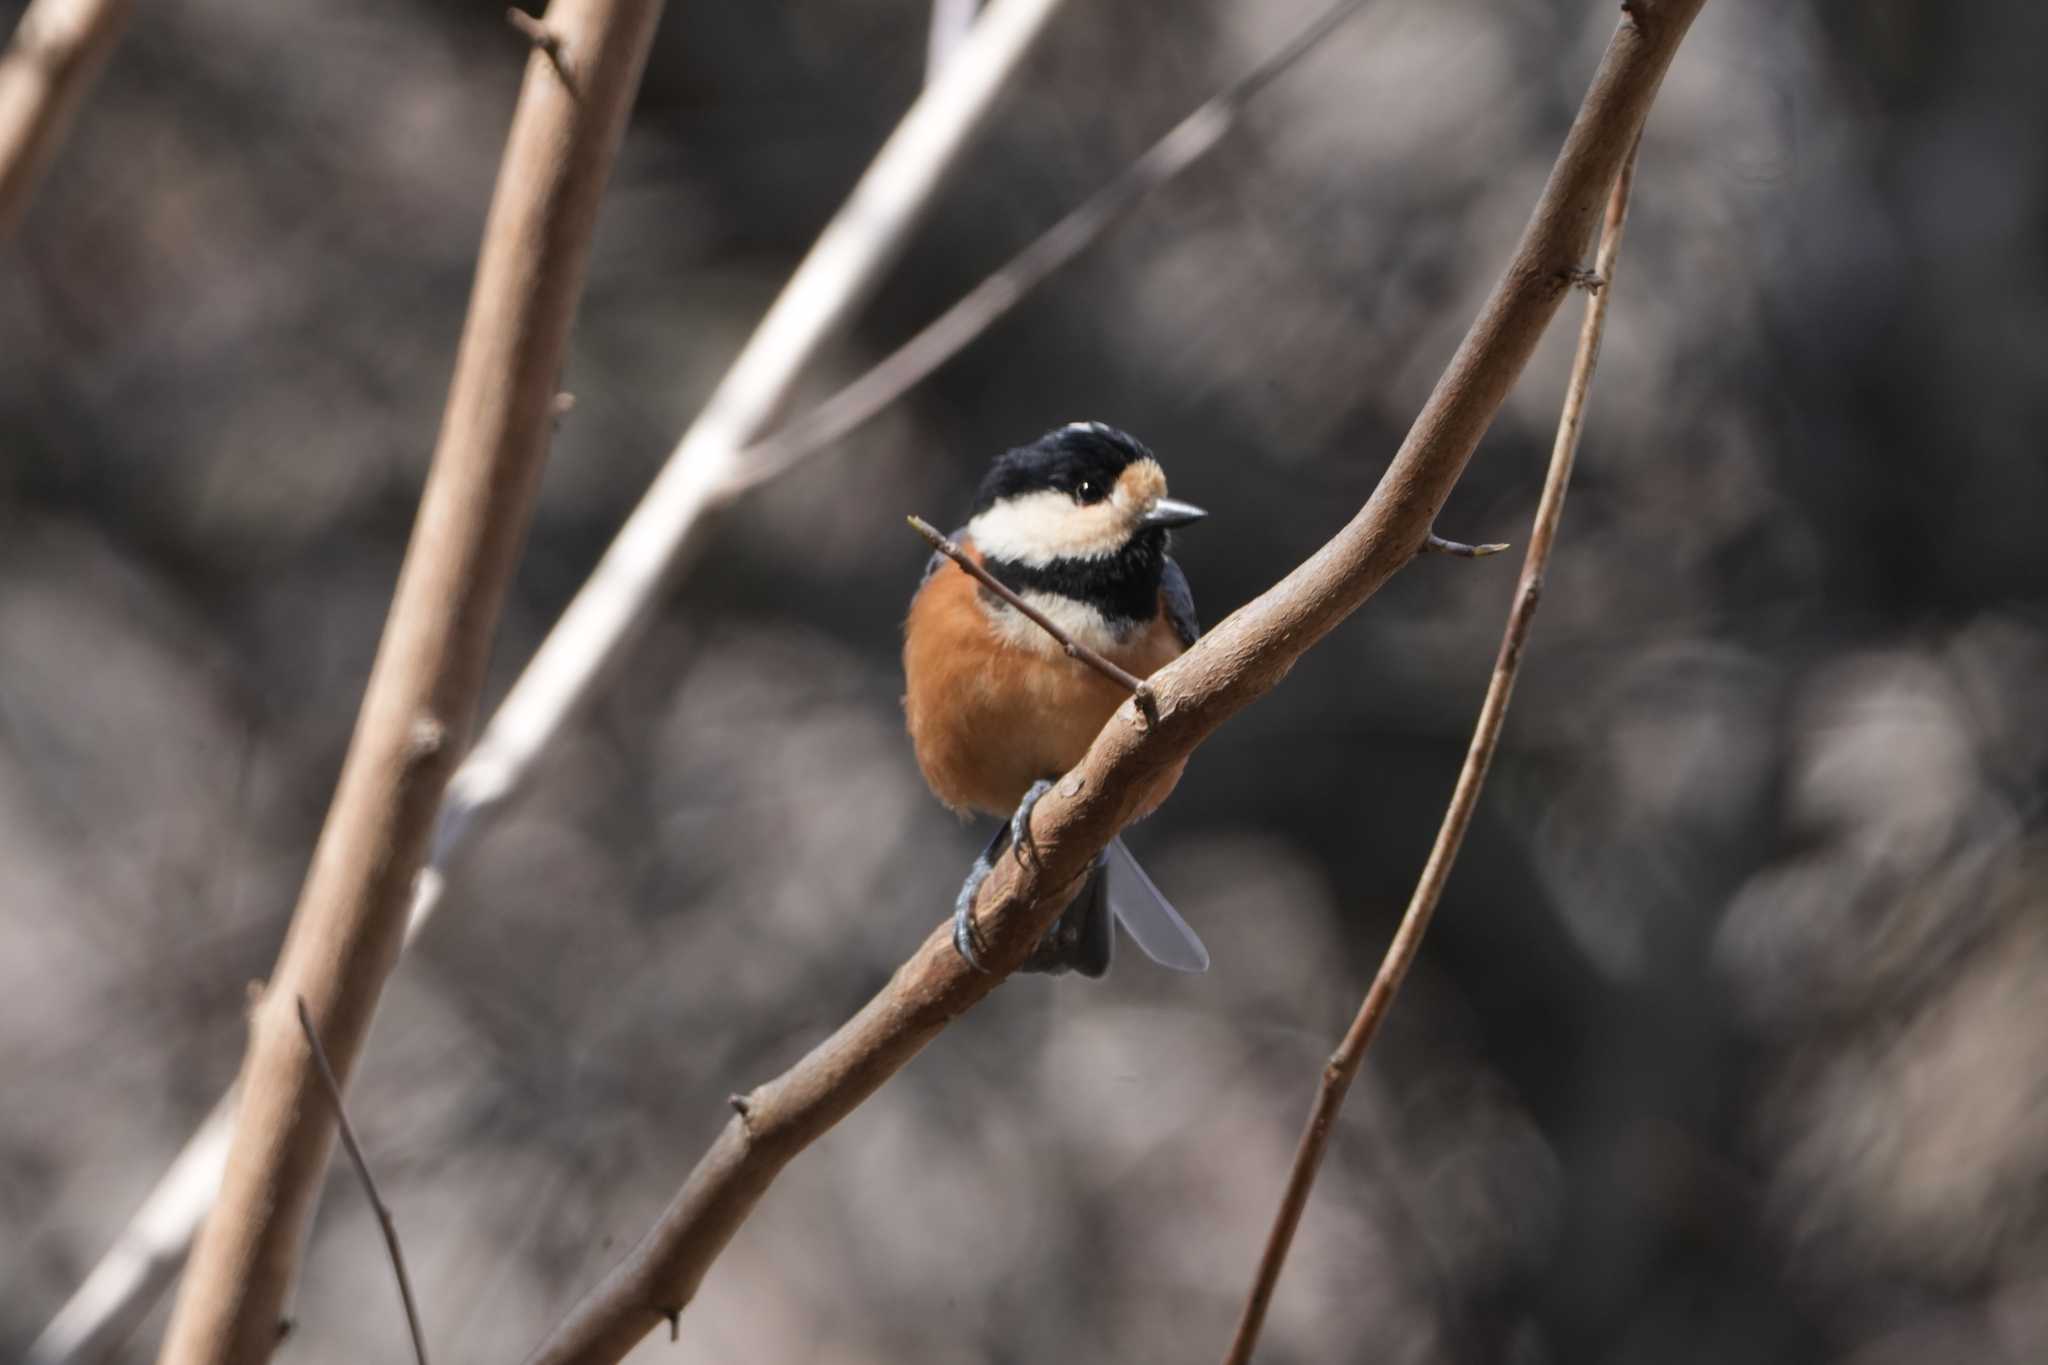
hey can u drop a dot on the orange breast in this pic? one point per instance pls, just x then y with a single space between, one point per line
989 717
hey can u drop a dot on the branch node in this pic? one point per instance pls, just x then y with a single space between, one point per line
1578 277
1434 544
1148 703
744 1107
426 737
545 41
675 1323
565 403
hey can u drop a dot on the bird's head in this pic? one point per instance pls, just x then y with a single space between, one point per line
1083 492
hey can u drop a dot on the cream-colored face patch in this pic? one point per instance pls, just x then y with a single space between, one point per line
1038 528
1079 620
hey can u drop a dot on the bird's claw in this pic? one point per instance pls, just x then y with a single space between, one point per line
966 935
967 938
1020 823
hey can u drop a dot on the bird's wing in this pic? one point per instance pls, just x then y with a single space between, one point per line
1145 915
1179 601
931 566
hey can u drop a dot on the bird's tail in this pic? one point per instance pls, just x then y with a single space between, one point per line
1118 889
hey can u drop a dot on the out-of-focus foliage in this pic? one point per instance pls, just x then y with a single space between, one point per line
1728 1045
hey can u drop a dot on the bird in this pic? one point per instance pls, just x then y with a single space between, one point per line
1077 523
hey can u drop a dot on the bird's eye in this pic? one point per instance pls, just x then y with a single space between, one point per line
1087 490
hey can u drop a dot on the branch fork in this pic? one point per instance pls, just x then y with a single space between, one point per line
549 44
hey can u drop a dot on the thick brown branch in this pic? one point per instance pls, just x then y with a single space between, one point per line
1344 1063
1123 678
362 1164
423 688
51 62
1238 661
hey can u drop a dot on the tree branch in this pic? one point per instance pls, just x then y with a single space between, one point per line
952 20
362 1165
849 257
1238 661
602 621
423 688
945 336
58 49
1345 1062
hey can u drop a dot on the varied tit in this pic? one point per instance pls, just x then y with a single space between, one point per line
1076 523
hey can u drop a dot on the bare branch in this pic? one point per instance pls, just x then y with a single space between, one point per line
362 1165
1186 143
605 615
1241 659
1437 545
1128 681
58 49
423 689
855 249
1345 1062
545 40
951 22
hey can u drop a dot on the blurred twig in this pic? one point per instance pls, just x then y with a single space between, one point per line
422 694
948 334
51 62
1344 1063
362 1165
1123 678
951 22
1234 664
862 240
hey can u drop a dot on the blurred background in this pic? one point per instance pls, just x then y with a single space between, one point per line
1729 1042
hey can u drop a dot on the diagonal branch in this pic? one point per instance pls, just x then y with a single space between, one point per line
362 1165
1237 662
1345 1062
423 689
850 255
58 49
600 626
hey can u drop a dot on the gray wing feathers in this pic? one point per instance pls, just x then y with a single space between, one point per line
1153 924
1179 600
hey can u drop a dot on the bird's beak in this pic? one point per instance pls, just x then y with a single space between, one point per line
1167 513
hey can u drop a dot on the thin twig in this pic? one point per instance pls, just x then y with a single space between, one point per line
1130 682
953 330
56 53
852 253
1344 1063
707 471
1241 659
362 1165
1437 545
952 20
424 687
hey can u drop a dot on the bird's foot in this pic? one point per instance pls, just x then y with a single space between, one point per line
966 938
1017 834
1020 823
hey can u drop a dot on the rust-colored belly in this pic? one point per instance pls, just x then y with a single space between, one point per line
989 717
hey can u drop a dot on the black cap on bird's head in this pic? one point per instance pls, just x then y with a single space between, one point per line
1080 515
1083 491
